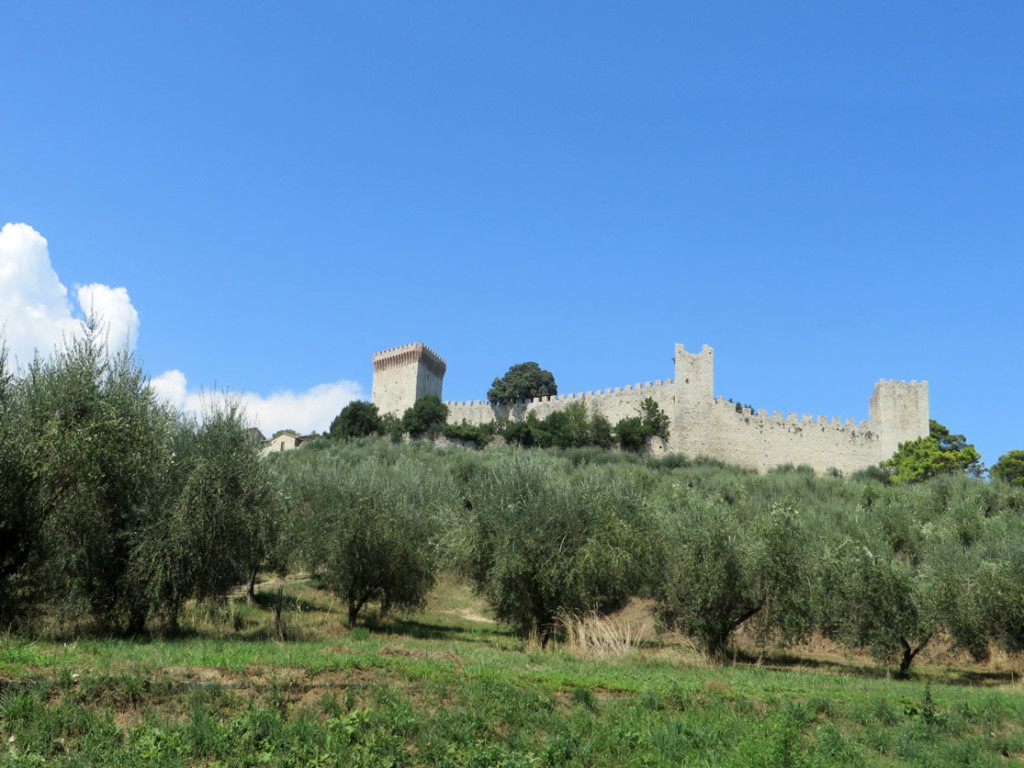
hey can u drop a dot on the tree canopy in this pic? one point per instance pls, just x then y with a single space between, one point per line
363 527
939 453
426 417
633 432
538 544
523 382
1010 468
357 419
116 508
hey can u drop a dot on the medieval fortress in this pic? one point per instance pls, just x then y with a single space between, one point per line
700 423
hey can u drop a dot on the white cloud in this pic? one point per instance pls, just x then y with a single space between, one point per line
36 314
305 412
171 387
114 309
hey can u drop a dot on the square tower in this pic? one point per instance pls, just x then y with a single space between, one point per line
403 375
898 412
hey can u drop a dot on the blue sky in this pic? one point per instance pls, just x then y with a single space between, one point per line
826 193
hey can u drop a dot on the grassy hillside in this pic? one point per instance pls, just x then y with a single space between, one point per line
449 687
749 620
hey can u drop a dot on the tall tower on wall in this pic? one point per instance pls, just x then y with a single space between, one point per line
898 413
694 391
403 375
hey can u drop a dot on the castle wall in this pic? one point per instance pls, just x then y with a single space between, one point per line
760 441
700 424
613 404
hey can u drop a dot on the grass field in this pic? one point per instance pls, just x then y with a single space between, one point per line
449 687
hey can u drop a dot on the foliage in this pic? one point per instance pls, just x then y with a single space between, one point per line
740 407
566 428
724 570
357 419
19 523
391 427
572 427
569 427
937 454
527 433
478 436
655 419
1010 468
116 506
426 417
601 434
633 432
537 544
222 521
96 442
365 530
182 512
522 382
880 602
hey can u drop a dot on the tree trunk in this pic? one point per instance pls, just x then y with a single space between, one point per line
908 657
354 606
250 588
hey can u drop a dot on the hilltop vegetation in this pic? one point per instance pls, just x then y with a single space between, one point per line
117 513
787 555
121 518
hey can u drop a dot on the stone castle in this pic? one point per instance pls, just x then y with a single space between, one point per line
700 423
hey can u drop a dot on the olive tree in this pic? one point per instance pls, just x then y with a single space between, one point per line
96 442
880 602
727 565
115 506
540 542
364 530
19 523
222 514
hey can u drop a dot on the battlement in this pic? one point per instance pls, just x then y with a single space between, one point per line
699 423
791 418
645 389
410 354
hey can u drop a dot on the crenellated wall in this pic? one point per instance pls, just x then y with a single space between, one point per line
700 424
761 441
613 404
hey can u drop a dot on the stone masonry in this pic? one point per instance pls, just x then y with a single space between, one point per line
700 423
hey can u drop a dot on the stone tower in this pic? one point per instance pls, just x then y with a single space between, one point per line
898 412
403 375
694 392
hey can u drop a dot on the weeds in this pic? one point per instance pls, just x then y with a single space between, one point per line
471 698
600 636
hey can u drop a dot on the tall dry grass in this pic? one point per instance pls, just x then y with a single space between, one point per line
593 635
